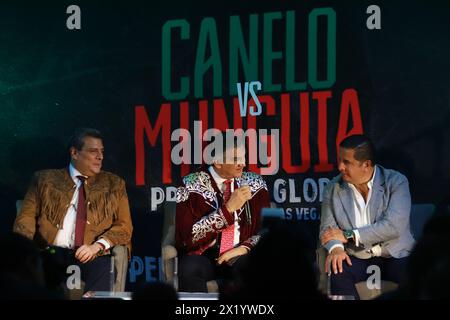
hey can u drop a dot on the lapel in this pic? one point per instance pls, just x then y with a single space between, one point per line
90 186
345 195
377 195
68 184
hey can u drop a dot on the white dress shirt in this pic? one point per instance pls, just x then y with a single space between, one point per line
65 237
220 184
361 206
362 218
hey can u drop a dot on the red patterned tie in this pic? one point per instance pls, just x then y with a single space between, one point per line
227 240
81 214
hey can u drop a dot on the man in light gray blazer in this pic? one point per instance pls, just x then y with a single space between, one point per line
364 219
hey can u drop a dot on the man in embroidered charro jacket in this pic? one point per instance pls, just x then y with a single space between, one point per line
218 218
79 211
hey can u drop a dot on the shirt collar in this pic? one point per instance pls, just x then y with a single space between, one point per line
370 183
74 173
218 179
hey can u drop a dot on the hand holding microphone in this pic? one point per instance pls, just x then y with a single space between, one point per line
238 198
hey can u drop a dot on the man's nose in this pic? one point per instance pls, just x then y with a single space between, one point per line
341 166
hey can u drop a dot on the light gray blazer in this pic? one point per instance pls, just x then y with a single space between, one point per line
390 206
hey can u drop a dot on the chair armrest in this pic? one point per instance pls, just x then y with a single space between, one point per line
169 265
168 252
321 256
120 257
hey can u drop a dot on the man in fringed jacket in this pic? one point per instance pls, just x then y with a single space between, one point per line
79 211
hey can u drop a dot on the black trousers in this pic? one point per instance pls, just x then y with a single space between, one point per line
96 274
195 271
391 269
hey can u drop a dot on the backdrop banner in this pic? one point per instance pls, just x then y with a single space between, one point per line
160 78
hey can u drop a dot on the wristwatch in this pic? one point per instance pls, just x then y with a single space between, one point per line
349 234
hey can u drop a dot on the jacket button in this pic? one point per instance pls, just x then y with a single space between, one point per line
88 222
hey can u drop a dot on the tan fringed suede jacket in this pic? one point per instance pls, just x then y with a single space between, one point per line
48 199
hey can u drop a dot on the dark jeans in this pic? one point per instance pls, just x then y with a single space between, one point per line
96 274
391 269
195 271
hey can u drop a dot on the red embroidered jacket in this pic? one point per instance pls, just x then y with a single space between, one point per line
201 214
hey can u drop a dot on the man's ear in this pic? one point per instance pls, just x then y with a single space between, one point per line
73 153
367 163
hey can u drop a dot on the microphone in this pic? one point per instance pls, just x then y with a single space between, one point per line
248 213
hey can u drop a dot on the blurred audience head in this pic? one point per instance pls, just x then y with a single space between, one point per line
281 265
22 270
21 258
428 265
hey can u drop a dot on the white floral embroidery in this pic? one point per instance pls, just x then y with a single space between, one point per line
200 183
208 223
253 180
182 194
